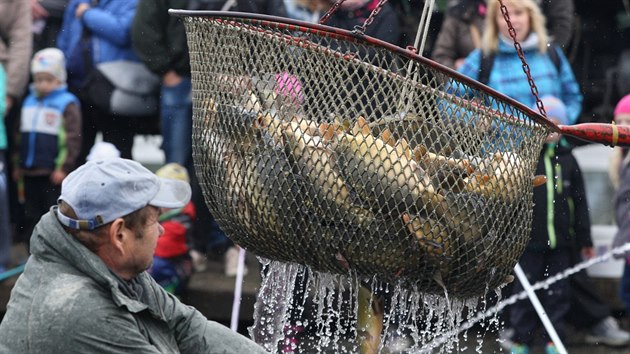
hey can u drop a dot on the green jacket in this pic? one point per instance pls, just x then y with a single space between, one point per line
68 301
159 39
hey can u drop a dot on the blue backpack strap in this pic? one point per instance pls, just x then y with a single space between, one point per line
485 67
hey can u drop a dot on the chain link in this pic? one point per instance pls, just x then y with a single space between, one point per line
521 55
367 22
330 11
370 19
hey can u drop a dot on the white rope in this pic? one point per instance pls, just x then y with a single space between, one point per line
540 310
423 25
238 290
228 5
423 28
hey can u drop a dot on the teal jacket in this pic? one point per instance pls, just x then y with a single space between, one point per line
3 108
68 301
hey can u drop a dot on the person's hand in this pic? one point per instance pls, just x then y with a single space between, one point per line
57 177
81 8
38 12
588 252
171 79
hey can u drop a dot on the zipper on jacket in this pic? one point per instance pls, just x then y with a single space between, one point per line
551 182
32 137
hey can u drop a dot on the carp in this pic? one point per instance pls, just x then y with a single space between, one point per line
383 175
314 161
502 176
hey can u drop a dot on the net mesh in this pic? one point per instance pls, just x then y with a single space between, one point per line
322 149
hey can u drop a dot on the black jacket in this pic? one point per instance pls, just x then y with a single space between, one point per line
160 39
561 218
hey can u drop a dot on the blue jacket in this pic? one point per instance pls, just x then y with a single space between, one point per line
507 77
110 25
43 135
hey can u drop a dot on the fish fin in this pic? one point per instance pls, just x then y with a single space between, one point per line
329 132
361 127
539 180
402 148
387 137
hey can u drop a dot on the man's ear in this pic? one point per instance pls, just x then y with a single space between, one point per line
118 234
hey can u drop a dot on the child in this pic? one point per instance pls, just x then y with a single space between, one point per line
560 224
50 136
620 177
172 265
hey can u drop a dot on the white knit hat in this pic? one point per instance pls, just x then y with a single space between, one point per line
50 60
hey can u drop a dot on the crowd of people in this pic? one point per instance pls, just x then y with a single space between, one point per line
49 151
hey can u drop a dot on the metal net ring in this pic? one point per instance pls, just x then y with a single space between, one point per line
337 151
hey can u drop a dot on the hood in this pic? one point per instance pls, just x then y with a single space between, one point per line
51 243
506 45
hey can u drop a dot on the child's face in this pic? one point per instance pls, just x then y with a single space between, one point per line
622 119
45 83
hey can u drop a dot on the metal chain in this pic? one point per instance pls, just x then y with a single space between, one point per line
330 11
367 22
521 55
370 19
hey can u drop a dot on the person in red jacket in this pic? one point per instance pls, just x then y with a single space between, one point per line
172 265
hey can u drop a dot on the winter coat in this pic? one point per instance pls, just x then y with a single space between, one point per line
177 224
109 24
50 131
455 40
159 39
507 76
16 44
622 204
68 301
561 218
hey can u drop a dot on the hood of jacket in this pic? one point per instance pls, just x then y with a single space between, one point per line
50 242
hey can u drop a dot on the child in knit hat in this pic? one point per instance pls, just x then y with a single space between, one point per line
172 264
619 171
49 136
619 156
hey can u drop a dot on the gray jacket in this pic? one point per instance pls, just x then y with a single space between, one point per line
68 301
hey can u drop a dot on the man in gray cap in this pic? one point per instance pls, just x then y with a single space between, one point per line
85 289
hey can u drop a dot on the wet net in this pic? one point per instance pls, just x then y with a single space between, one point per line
333 150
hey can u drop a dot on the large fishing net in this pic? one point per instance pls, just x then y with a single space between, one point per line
336 151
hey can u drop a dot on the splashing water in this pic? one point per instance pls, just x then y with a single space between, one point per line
446 337
321 309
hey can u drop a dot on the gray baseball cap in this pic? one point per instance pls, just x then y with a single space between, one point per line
99 192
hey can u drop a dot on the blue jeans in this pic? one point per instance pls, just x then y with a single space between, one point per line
176 118
5 222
